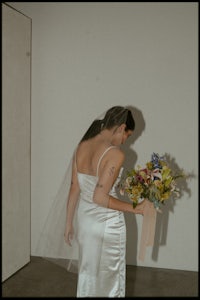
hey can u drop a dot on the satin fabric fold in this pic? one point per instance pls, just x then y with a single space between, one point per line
102 245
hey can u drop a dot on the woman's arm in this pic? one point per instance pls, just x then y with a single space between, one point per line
108 172
72 201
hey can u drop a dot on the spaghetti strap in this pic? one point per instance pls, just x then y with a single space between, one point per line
102 157
75 162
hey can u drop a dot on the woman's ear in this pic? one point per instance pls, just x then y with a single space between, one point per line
122 127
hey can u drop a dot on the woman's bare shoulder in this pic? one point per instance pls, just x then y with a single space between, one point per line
115 153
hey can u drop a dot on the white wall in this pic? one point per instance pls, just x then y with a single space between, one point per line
87 57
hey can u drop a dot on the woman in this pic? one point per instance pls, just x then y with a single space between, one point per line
101 231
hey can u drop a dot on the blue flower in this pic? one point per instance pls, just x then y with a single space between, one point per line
155 159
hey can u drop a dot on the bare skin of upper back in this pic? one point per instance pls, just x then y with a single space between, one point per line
90 151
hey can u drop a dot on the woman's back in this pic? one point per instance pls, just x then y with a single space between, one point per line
93 154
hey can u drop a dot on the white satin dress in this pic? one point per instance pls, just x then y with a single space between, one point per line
102 243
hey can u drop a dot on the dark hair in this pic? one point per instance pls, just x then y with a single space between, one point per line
115 116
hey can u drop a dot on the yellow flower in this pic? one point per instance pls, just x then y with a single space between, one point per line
143 174
149 165
137 190
165 172
158 183
168 181
165 196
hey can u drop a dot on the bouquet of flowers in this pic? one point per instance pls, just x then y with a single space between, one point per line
156 182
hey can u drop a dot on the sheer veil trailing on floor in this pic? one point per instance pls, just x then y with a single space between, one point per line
51 244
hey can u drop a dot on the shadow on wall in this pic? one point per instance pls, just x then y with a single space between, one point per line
130 161
163 218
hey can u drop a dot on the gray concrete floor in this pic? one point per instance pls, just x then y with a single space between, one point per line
42 278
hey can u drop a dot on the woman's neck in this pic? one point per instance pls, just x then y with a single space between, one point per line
105 136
